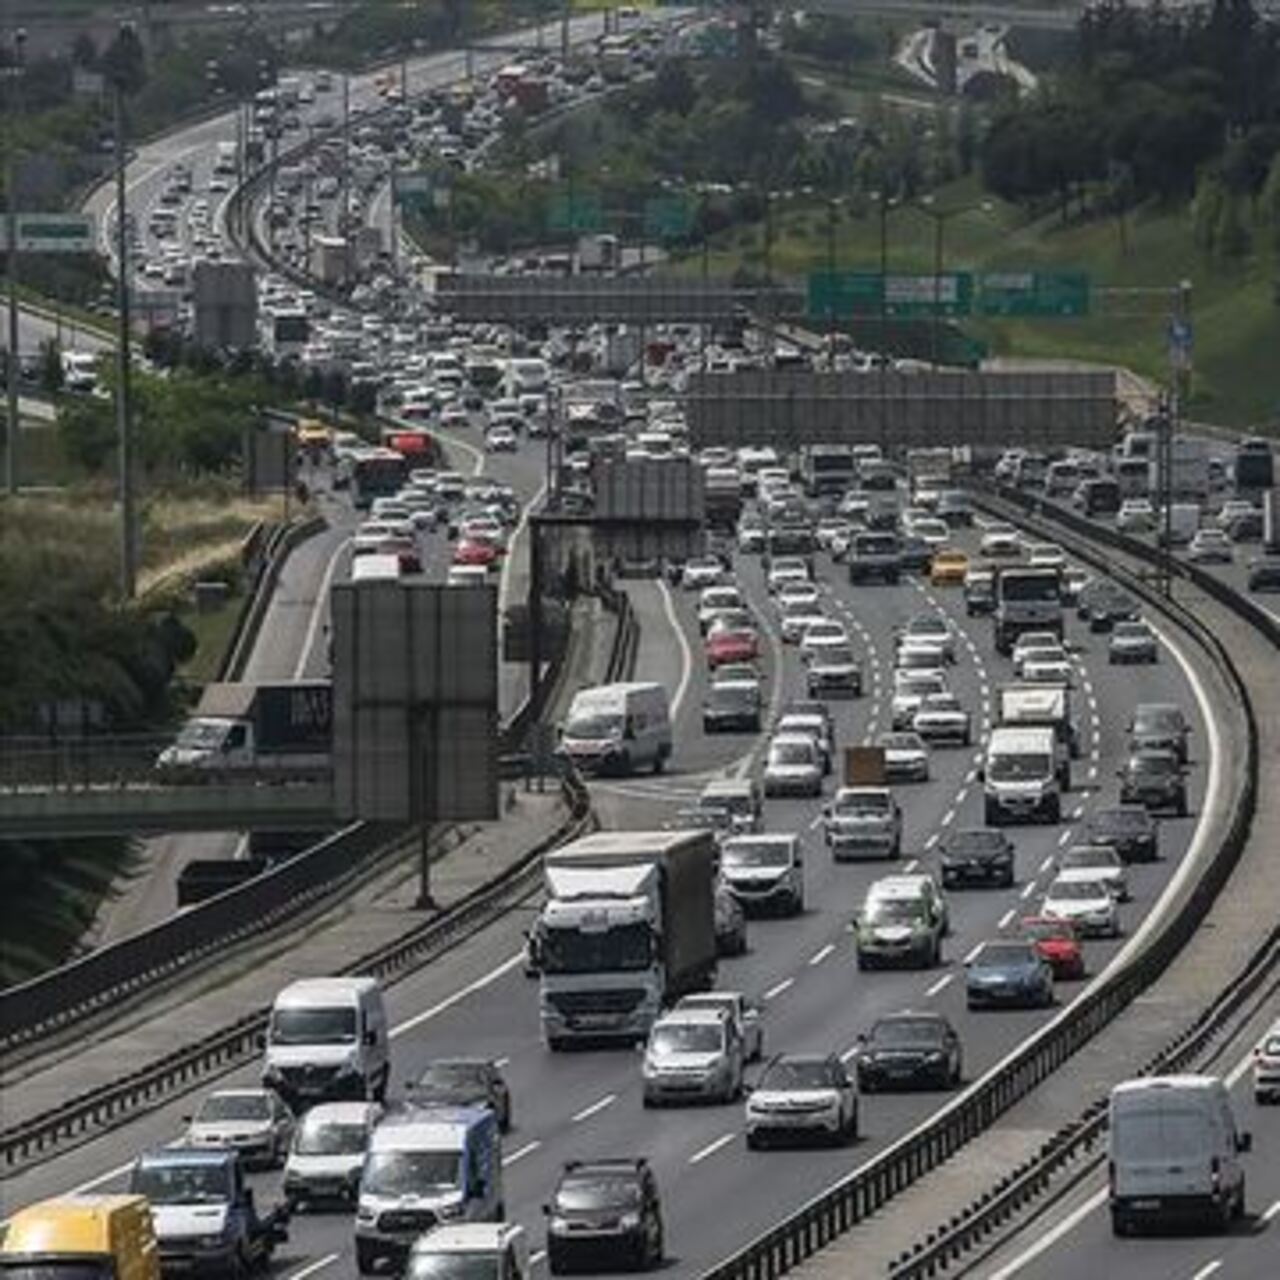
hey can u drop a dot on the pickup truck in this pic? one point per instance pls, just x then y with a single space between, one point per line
205 1218
863 822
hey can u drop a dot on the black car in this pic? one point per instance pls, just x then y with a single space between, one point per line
977 855
604 1213
1160 726
1129 829
1102 604
1264 574
463 1082
1246 527
914 554
1154 777
980 594
904 1050
731 705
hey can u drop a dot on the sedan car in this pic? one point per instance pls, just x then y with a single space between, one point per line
906 757
736 645
1096 860
909 1049
463 1082
977 855
1132 642
979 593
1136 515
1210 546
1084 901
910 688
1162 725
941 718
1048 664
255 1122
1129 829
1154 777
500 439
802 1095
833 671
1000 542
1008 973
948 568
793 767
798 615
703 571
930 629
1058 942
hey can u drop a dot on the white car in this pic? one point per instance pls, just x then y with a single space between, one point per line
743 1012
798 616
1136 515
906 757
832 531
1210 546
500 439
255 1122
1086 861
1046 555
824 633
327 1152
1046 665
794 766
796 591
930 628
715 600
1086 902
786 569
941 718
935 533
1000 542
920 655
1266 1067
1231 510
812 725
802 1095
1029 640
910 688
702 572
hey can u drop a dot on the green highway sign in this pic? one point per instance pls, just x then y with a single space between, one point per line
575 211
54 233
668 217
842 294
1034 293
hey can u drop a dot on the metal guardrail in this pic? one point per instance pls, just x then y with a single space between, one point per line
626 640
873 1185
93 1111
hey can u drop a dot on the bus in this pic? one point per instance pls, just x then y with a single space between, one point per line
375 473
290 332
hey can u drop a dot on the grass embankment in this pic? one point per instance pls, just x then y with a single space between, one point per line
1236 316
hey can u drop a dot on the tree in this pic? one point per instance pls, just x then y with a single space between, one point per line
1231 237
1206 209
125 62
673 88
52 374
87 432
1269 205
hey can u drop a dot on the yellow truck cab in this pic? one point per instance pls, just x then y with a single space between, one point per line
98 1237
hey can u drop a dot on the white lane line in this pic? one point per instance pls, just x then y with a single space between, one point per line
1208 1269
850 1053
712 1147
520 1152
504 582
537 1256
971 777
931 841
973 955
118 1172
1028 890
1270 1211
1077 812
942 983
318 609
312 1267
961 796
1047 863
501 1062
458 996
949 817
595 1108
821 954
686 655
778 988
909 867
1006 920
1064 837
817 819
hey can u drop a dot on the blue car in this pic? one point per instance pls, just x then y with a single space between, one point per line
1008 973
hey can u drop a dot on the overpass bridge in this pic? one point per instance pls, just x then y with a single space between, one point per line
967 16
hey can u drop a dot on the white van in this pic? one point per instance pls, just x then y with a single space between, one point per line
327 1041
327 1152
426 1166
1175 1152
618 728
1184 523
1021 777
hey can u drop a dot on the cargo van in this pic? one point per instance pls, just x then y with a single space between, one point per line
426 1166
327 1041
84 1235
1175 1153
618 728
1021 777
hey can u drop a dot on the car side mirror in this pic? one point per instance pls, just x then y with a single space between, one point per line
546 1211
1244 1143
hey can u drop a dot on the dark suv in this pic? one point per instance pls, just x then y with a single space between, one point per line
1159 726
604 1213
1129 829
1154 778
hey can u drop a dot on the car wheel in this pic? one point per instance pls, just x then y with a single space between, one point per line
753 1141
1182 806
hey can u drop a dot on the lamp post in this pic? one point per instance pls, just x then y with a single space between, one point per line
13 364
928 206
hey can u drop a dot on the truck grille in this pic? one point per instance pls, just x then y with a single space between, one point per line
407 1220
308 1077
578 1002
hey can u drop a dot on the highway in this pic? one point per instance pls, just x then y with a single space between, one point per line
716 1196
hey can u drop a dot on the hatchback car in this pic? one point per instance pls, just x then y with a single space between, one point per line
906 757
463 1082
802 1096
941 719
731 705
731 645
1008 973
1058 942
605 1213
1210 546
693 1055
909 1049
1155 778
793 767
1264 574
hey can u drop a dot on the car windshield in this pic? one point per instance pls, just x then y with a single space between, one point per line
894 911
1077 890
756 853
453 1075
786 753
400 1173
1157 722
1019 767
792 1073
593 728
913 685
970 842
181 1184
1002 955
1029 587
895 1031
928 625
1153 765
329 1138
1089 858
866 802
233 1106
901 742
314 1026
834 656
202 734
687 1037
598 1191
454 1266
1132 630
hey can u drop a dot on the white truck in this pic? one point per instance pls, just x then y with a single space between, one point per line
1188 469
628 927
1027 706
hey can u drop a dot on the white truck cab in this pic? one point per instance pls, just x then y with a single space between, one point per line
1021 776
495 1250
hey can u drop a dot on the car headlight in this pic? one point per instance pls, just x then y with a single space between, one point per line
557 1224
650 1067
453 1210
629 1222
366 1213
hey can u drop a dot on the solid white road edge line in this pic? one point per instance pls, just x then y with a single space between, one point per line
317 609
686 655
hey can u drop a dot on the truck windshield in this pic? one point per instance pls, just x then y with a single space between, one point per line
401 1173
594 727
195 1183
57 1269
1032 588
625 947
327 1139
313 1026
454 1266
202 734
1019 768
894 910
756 853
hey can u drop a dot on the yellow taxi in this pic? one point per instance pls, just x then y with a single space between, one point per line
948 568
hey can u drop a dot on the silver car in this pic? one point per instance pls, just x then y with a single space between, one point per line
1100 860
693 1055
793 767
906 757
1085 901
255 1122
863 822
941 718
1132 642
328 1152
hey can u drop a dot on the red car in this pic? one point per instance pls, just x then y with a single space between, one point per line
475 551
733 645
1057 942
404 548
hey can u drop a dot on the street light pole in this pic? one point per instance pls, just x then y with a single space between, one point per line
13 364
124 415
831 267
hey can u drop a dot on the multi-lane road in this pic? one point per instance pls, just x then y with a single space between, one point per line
717 1195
